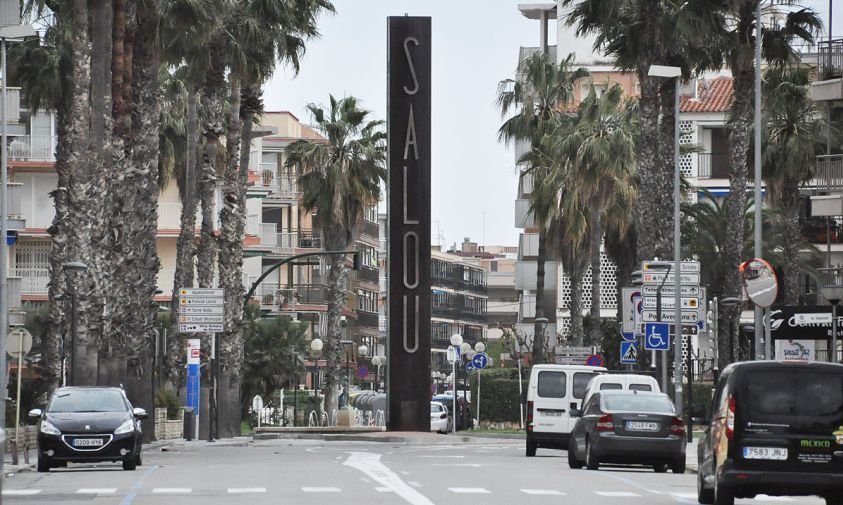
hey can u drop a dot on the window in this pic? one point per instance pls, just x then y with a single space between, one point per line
795 394
367 301
371 214
640 387
552 384
593 408
368 256
638 403
581 381
610 385
88 401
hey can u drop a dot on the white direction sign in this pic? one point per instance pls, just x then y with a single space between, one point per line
199 328
201 309
659 277
201 292
688 316
669 302
670 290
685 266
631 297
200 301
200 318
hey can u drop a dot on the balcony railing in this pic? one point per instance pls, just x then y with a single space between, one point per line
34 281
309 294
169 216
32 148
815 231
286 242
367 274
367 319
829 173
831 59
712 165
370 228
525 184
280 185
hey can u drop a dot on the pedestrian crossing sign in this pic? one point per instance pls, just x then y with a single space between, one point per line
629 353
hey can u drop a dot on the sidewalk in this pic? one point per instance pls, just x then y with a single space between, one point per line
691 457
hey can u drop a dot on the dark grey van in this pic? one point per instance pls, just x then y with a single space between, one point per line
775 428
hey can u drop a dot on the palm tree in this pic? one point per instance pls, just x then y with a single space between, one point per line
340 178
538 97
794 131
736 40
596 179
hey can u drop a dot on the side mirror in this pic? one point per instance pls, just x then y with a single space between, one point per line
576 413
35 414
139 413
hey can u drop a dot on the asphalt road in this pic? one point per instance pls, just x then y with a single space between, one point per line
350 473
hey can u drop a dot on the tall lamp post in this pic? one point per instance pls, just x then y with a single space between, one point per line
456 342
362 352
74 266
675 73
378 361
316 346
831 287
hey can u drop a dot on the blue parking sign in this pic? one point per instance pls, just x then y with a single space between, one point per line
657 336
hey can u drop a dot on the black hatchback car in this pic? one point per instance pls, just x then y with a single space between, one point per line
628 427
774 428
88 424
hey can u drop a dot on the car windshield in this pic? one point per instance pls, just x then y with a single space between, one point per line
435 409
794 393
638 403
87 400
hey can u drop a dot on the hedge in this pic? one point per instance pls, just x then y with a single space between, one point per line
499 398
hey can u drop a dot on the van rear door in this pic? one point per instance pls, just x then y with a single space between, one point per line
790 419
550 408
579 383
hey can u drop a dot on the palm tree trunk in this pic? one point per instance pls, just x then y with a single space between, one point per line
740 130
790 252
232 230
332 349
576 332
664 200
539 344
595 240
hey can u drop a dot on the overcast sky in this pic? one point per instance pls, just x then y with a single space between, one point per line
475 45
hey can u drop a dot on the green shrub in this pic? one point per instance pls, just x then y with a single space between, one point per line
499 398
167 399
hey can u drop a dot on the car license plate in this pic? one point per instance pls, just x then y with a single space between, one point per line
551 413
641 426
771 453
87 442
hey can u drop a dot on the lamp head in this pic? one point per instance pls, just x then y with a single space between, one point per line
74 266
664 71
316 345
456 339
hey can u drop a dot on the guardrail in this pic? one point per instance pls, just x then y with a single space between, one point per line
830 59
712 165
32 148
829 177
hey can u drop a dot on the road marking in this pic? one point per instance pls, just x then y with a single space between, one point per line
90 490
684 495
321 489
468 490
473 465
764 497
546 492
171 490
371 465
413 483
20 492
442 456
384 490
617 494
244 490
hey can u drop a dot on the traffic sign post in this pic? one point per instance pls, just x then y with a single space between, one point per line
194 352
629 353
594 360
18 343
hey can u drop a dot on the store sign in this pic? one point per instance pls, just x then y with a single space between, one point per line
408 126
795 350
807 322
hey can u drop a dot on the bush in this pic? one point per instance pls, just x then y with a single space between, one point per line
167 399
499 398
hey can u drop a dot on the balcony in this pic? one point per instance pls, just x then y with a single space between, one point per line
713 165
32 148
523 216
282 186
286 298
367 319
829 177
830 59
169 216
525 275
370 275
33 281
528 245
286 242
525 184
370 228
814 230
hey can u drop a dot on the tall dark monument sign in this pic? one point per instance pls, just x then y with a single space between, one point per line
408 251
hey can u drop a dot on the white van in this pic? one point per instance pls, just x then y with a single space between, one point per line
553 391
621 381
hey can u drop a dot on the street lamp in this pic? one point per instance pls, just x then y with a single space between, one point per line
831 280
73 266
378 361
456 342
350 344
667 72
316 346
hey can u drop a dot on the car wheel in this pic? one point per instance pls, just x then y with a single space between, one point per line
660 468
130 464
43 463
573 462
138 459
531 448
833 500
704 496
678 466
723 496
591 461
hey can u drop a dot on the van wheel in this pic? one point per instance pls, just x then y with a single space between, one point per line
531 448
660 468
704 496
678 466
591 461
723 496
129 464
573 462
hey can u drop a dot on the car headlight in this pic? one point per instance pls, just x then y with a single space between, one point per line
48 428
128 426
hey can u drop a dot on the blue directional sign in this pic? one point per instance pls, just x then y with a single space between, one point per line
657 336
629 353
480 360
629 336
469 367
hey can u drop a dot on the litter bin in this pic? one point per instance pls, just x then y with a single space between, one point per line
189 423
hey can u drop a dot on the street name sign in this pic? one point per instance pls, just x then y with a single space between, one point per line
670 290
199 318
200 327
659 277
201 309
200 301
201 292
685 266
669 302
688 316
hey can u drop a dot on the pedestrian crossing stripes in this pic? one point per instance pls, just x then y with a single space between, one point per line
617 494
469 490
171 490
246 490
20 492
87 490
544 492
321 489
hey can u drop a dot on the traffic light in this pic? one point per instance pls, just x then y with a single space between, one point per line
356 261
